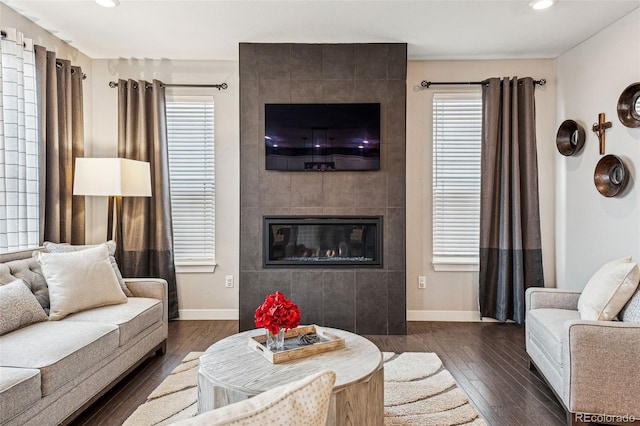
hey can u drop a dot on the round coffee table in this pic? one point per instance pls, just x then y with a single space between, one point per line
231 371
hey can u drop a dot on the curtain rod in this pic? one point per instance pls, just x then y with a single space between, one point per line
3 34
427 84
59 65
221 86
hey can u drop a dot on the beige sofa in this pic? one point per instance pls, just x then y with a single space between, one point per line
50 371
592 366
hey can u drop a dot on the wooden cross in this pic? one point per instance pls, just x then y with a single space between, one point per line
599 129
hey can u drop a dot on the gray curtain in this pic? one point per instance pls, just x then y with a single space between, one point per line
61 135
145 234
510 245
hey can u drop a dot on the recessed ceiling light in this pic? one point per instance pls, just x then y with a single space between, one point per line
542 4
108 3
275 145
317 146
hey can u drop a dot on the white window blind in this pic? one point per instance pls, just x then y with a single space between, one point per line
457 128
19 166
190 128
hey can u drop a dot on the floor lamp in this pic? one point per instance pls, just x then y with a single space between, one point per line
114 178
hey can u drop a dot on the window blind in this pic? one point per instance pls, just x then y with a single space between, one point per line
190 130
19 152
457 128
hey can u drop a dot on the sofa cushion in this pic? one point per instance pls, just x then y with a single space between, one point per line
608 290
61 350
18 307
133 317
111 246
80 280
546 327
19 389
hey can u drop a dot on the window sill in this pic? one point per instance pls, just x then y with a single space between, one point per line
196 267
452 264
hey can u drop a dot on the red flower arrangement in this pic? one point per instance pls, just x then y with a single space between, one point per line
277 312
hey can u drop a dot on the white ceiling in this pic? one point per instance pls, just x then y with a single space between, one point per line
433 29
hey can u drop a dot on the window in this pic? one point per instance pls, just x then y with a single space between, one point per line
19 174
190 130
457 128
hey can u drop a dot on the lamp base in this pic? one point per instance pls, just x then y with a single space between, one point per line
114 214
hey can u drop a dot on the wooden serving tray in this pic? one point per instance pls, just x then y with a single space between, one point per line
257 343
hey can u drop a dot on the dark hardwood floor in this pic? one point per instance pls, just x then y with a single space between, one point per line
488 360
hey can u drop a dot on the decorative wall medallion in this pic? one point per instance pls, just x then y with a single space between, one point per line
610 175
629 106
570 138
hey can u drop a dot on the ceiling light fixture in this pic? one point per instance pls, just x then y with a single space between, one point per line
108 3
542 4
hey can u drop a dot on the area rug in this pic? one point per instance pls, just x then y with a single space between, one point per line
418 391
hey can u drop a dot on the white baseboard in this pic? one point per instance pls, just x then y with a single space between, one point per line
233 314
458 316
209 314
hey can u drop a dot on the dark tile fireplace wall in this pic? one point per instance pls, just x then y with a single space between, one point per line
366 301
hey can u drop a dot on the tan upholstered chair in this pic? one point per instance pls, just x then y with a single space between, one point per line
593 367
304 402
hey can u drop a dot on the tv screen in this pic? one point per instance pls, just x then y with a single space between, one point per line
322 137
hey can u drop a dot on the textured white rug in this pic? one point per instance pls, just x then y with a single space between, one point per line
418 391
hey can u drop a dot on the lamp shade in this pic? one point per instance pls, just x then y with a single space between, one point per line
112 177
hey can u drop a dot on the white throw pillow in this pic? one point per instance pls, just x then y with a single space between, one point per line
18 307
80 280
608 290
111 245
304 402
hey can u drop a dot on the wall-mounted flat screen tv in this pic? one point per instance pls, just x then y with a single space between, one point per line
322 137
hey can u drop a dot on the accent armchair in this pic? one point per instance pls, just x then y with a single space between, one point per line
593 367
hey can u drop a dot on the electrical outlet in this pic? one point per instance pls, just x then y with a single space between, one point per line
228 281
422 282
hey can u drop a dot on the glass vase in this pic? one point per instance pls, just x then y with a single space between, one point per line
275 342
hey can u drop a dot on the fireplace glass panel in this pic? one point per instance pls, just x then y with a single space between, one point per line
319 242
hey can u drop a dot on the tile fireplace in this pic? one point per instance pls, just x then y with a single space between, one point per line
299 242
333 241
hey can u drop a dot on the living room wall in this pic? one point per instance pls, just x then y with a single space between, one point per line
453 296
592 229
449 295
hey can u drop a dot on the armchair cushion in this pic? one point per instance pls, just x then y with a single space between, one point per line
304 401
609 290
631 311
546 327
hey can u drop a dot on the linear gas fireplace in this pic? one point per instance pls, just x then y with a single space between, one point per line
317 242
